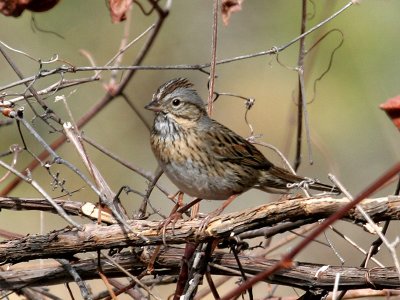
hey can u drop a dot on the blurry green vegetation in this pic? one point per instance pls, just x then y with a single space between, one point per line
358 140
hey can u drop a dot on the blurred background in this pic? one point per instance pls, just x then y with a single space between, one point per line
350 136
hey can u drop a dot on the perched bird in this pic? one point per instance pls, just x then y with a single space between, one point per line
205 159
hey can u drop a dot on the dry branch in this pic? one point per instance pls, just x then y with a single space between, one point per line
74 208
93 237
301 275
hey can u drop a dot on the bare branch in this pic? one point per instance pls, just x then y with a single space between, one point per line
37 187
300 275
93 237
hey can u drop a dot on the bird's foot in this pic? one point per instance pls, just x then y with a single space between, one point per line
204 223
175 214
172 219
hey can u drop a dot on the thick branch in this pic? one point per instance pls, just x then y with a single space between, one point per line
94 237
301 275
75 208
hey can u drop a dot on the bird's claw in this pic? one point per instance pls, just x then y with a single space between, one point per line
173 218
204 223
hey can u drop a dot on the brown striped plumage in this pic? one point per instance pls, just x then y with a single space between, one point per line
204 158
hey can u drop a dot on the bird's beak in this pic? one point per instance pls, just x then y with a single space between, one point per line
154 106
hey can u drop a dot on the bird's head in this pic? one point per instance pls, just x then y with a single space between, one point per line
177 99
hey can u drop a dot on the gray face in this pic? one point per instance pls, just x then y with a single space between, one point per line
176 97
184 103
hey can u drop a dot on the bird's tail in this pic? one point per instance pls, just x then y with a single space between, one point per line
278 180
318 186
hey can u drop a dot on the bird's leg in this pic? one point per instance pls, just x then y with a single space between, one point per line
179 202
172 196
176 213
173 216
216 212
195 210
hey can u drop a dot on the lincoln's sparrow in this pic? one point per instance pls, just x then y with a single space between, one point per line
205 159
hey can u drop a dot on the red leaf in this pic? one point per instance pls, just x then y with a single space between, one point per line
228 7
41 5
118 9
392 109
16 7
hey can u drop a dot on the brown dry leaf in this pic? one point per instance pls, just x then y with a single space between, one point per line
228 7
118 9
392 109
16 7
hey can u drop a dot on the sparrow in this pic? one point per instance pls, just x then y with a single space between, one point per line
207 160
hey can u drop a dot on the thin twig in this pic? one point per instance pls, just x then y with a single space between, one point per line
15 149
301 95
126 47
213 56
287 258
78 280
134 278
37 187
94 110
336 287
280 154
354 244
145 174
56 158
152 184
45 108
135 66
391 246
136 110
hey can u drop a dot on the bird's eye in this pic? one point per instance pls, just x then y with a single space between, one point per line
176 102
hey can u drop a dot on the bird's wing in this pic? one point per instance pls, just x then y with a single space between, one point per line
229 147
